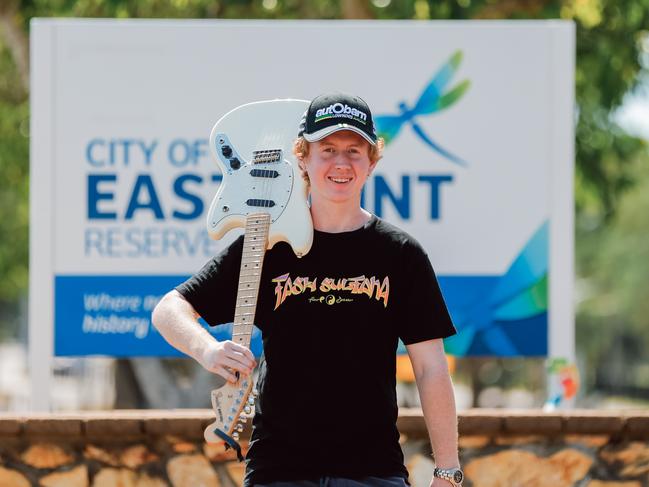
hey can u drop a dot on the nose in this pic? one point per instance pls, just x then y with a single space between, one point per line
342 160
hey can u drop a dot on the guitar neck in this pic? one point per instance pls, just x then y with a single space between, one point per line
254 248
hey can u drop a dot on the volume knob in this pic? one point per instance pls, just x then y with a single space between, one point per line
226 150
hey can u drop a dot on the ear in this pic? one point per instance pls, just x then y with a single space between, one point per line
371 168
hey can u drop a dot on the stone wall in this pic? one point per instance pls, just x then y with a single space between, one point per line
498 448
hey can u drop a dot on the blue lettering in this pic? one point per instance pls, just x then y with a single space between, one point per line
170 239
180 157
200 149
148 151
196 202
144 182
402 204
435 182
113 241
94 196
101 153
93 240
90 152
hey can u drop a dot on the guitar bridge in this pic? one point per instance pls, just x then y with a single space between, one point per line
266 156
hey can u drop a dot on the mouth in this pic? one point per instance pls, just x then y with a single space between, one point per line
339 180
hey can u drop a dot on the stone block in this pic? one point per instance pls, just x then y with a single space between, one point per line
112 477
76 477
511 440
520 467
184 447
136 456
589 441
122 477
637 427
532 423
190 471
40 426
46 455
236 471
92 452
113 427
411 423
189 428
632 459
473 441
477 423
613 483
11 426
593 422
13 478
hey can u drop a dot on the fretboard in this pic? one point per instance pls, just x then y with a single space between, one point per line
252 259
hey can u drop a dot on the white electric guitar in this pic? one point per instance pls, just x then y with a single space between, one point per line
262 191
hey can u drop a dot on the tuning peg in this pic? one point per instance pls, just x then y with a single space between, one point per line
239 428
251 400
235 436
243 419
247 409
255 392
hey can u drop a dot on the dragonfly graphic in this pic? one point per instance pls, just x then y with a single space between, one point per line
431 100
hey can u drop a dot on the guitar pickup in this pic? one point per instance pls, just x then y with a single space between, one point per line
260 202
264 173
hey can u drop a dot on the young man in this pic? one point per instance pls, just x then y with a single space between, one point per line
330 321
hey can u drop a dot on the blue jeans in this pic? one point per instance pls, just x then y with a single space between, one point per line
340 482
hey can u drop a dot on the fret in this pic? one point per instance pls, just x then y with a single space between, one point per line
254 248
250 274
244 281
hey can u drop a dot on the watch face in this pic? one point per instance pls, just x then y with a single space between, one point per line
458 476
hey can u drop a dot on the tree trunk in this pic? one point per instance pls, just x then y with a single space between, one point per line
356 9
15 39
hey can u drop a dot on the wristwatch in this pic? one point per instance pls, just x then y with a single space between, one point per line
453 475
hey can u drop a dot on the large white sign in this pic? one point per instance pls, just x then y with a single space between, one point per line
478 165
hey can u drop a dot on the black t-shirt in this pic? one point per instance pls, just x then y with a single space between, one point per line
330 325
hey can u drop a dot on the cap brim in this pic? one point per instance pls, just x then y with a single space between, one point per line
322 133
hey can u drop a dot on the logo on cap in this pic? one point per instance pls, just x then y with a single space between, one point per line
338 110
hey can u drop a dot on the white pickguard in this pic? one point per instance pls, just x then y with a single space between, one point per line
261 126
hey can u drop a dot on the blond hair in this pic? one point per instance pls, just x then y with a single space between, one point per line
301 152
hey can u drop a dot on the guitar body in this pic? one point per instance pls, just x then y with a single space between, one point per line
262 191
253 145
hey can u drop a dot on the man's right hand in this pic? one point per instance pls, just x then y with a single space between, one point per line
226 357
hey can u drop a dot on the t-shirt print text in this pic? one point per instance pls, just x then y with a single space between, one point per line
347 288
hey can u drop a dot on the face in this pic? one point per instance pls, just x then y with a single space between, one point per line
338 166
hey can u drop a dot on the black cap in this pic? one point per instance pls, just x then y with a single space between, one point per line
332 112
